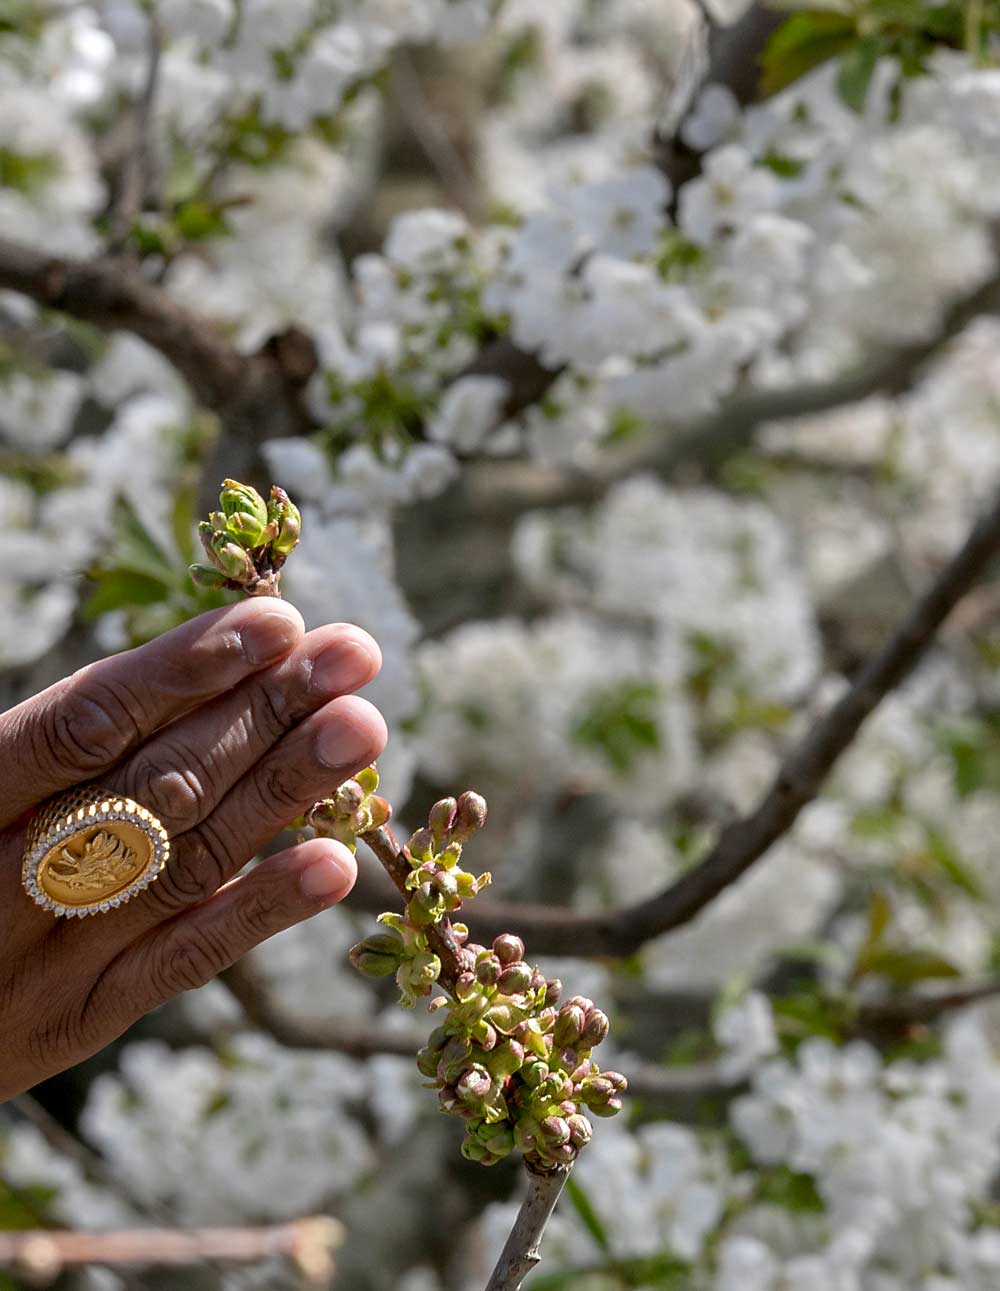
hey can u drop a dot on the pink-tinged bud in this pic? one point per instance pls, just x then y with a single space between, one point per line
379 812
605 1110
508 949
448 1098
488 970
582 1071
555 1131
446 885
569 1026
580 1130
580 1002
470 816
440 818
568 1108
348 798
474 948
485 1036
538 984
514 980
553 990
421 845
466 986
460 932
616 1080
474 1085
526 1134
595 1029
564 1154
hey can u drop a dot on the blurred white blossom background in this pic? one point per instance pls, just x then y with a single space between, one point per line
544 258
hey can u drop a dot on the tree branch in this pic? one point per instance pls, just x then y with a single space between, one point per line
135 171
41 1255
800 777
354 1040
520 1253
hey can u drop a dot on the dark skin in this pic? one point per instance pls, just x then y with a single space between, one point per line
225 728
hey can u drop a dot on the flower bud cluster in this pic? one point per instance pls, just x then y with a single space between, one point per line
437 885
248 540
352 809
510 1060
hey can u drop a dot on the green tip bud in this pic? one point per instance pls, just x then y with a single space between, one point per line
488 970
421 845
230 558
236 499
470 816
206 576
535 1073
580 1130
372 963
466 986
505 1059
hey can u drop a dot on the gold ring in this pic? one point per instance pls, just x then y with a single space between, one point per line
90 850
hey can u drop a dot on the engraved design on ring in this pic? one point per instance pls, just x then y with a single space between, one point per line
88 851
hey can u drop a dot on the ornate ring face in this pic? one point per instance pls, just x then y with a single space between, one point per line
88 851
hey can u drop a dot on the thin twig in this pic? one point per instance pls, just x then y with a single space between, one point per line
353 1039
520 1253
922 1007
42 1254
136 165
428 129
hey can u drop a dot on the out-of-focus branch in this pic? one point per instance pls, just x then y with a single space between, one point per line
744 842
135 170
40 1256
353 1039
520 1253
113 295
922 1007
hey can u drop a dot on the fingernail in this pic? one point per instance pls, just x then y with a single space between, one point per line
328 879
340 743
343 665
269 635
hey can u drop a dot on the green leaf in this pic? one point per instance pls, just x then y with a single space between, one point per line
805 41
791 1190
588 1215
940 850
904 966
857 67
135 549
120 589
196 219
621 723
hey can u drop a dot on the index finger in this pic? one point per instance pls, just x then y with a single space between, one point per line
85 723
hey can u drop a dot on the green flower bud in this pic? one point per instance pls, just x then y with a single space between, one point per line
426 906
485 1036
448 887
470 816
236 498
473 1150
595 1029
569 1026
245 529
514 980
488 969
440 818
508 949
506 1058
425 967
604 1110
421 845
501 1140
466 986
372 963
526 1132
285 516
534 1073
206 576
427 1062
230 558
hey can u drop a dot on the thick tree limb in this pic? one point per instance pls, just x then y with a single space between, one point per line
520 1253
43 1254
744 842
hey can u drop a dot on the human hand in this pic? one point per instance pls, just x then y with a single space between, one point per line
226 729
